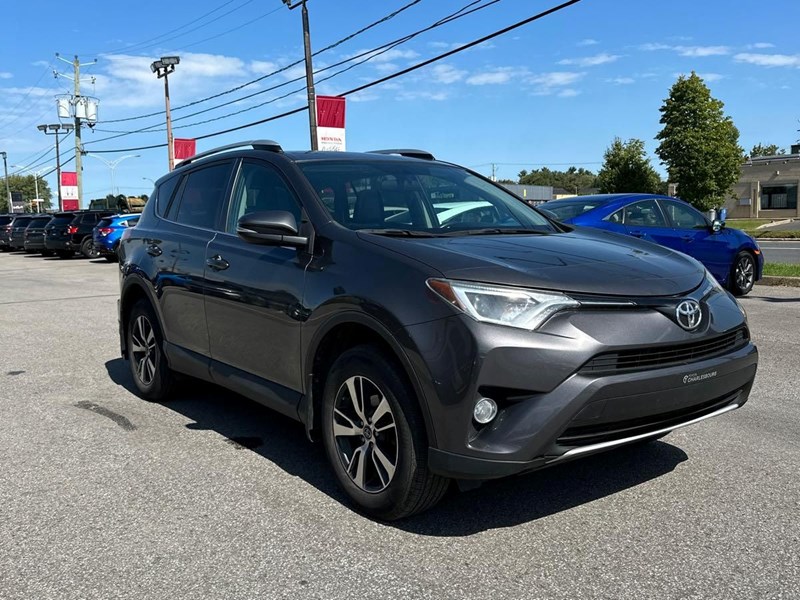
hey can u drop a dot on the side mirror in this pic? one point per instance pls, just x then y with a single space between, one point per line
271 228
717 225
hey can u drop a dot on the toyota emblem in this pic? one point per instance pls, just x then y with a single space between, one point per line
689 314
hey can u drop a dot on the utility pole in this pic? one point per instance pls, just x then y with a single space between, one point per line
312 97
162 68
80 106
8 189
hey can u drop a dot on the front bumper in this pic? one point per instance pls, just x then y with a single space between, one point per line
552 406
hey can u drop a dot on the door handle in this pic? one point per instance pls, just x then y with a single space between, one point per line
217 263
154 250
638 234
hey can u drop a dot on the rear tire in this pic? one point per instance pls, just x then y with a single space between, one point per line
88 249
151 373
743 274
374 436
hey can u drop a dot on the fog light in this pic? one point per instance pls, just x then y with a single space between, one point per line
485 410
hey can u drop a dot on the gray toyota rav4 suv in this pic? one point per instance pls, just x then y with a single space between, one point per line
422 322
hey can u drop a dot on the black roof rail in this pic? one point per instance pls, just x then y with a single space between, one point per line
409 152
267 145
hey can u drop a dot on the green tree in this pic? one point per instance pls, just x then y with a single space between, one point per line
627 169
699 144
766 150
26 185
573 179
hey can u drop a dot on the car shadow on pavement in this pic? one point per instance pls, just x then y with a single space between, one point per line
497 504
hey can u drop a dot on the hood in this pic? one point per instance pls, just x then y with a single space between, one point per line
587 261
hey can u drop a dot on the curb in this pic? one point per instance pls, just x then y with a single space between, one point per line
774 223
779 280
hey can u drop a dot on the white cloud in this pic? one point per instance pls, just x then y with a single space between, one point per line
379 56
447 74
761 45
769 60
568 93
5 75
591 61
588 42
262 67
556 79
414 95
622 80
694 51
702 50
497 76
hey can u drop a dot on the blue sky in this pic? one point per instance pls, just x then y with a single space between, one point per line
554 92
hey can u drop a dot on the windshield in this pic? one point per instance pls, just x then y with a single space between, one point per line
62 219
390 196
567 209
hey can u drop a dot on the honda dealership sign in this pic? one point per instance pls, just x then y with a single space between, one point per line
330 123
69 190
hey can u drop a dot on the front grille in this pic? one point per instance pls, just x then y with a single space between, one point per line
668 355
584 435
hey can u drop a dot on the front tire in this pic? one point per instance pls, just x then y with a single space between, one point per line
151 373
374 436
743 274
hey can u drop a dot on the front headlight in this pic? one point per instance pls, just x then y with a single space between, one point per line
515 307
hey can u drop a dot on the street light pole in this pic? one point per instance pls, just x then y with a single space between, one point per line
55 128
112 164
162 68
312 97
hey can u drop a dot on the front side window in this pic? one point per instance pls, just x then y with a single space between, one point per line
779 197
260 188
416 197
644 214
684 216
201 196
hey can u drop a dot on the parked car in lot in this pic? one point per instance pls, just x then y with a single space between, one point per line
16 231
76 236
732 256
33 240
5 231
107 233
420 353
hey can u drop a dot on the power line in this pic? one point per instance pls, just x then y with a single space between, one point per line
419 65
275 72
369 54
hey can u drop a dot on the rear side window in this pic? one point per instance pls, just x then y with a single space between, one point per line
23 222
644 214
38 223
62 219
164 193
201 196
6 220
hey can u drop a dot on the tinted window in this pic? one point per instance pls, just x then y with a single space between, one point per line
201 196
63 219
22 222
684 216
259 188
164 194
643 214
38 223
6 220
104 222
572 208
414 195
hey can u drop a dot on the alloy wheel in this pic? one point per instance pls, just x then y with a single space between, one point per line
365 434
144 350
744 273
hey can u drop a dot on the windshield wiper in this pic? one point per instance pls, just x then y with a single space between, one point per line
496 231
399 232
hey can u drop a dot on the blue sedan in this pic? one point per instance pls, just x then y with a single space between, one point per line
732 256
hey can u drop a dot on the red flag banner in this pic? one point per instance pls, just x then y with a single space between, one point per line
184 148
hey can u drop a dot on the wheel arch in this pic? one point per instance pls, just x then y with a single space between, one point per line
133 290
339 334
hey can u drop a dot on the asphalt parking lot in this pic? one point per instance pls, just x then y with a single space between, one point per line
104 495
